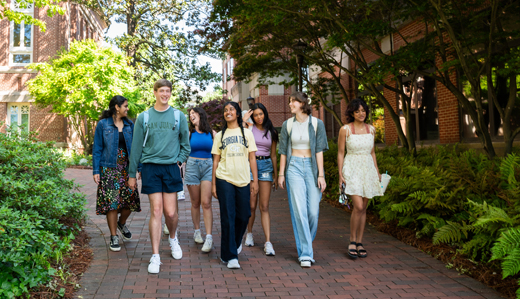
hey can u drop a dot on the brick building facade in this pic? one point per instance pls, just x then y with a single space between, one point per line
436 114
22 44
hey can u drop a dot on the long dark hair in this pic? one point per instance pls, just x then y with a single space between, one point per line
267 124
204 126
239 120
116 100
354 105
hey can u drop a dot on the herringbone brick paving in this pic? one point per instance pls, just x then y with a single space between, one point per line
392 269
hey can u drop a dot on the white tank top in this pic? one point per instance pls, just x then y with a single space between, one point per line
300 135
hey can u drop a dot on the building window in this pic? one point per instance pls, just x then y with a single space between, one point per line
18 115
21 38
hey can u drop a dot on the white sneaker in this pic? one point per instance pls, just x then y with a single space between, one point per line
239 249
268 249
165 230
176 249
197 237
305 264
233 264
249 240
208 245
155 265
181 196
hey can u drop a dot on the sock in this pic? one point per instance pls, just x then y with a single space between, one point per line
209 236
156 255
197 230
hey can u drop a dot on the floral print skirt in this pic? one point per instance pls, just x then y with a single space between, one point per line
113 192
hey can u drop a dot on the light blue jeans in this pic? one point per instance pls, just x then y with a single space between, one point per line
304 203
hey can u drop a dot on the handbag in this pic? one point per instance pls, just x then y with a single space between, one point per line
343 198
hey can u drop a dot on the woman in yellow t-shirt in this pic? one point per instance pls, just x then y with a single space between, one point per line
233 158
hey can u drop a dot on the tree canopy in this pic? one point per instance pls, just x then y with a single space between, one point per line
18 15
79 84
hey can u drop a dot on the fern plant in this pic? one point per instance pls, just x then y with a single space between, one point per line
507 249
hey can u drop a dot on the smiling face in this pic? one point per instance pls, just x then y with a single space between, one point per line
230 113
194 118
295 106
360 114
163 95
122 110
258 116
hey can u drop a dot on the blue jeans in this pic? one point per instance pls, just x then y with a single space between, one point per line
235 211
304 204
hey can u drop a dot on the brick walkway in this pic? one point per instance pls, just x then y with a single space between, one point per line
392 269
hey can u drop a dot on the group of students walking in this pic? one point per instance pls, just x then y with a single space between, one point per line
237 166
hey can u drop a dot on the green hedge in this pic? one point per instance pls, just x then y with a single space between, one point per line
34 197
451 195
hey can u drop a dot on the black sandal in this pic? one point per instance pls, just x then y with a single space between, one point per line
353 252
360 251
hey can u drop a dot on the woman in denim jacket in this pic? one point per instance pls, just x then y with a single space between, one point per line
112 144
301 152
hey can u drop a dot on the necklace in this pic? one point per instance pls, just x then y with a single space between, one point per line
300 129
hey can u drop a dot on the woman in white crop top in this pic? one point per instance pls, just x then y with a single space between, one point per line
302 143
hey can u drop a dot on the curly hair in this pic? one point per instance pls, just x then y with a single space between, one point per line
302 98
353 106
267 124
239 119
204 126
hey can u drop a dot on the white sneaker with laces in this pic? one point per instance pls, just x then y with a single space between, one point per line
305 264
233 264
176 249
155 265
239 249
181 196
249 240
268 249
208 245
197 237
165 230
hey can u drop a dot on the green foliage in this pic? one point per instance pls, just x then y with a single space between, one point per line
34 197
507 249
52 8
73 157
79 84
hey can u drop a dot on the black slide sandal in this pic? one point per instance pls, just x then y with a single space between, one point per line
360 251
353 252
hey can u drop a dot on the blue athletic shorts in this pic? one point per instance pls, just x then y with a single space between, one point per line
161 178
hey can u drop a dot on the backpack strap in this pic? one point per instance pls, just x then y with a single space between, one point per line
146 116
314 121
177 116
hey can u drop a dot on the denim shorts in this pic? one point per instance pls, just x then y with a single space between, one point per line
198 170
265 170
164 178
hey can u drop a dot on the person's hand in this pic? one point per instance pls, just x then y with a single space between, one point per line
254 187
281 181
275 184
379 177
247 115
96 179
322 184
139 175
132 183
341 181
214 190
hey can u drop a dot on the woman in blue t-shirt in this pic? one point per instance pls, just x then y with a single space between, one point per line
198 175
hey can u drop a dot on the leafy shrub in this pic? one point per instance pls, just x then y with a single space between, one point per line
34 197
73 157
215 111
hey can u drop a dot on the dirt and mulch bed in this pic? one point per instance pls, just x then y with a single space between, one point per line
80 166
487 273
74 264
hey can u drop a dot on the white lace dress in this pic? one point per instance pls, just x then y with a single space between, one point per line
359 172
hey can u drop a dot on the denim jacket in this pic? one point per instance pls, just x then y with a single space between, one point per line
106 141
317 139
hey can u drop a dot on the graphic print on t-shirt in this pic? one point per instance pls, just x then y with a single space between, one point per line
234 149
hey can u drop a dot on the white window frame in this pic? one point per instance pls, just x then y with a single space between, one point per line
19 120
21 50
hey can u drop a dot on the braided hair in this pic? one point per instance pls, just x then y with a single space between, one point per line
267 124
239 120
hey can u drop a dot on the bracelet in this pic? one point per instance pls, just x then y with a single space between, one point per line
281 175
320 176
